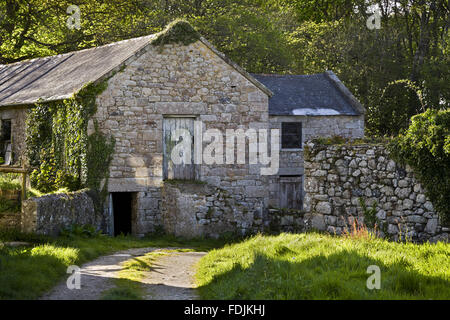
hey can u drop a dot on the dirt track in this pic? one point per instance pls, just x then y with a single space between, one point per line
171 277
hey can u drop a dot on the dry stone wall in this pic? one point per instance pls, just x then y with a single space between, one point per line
195 209
337 176
50 214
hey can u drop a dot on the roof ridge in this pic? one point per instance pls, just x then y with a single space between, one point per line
333 78
78 51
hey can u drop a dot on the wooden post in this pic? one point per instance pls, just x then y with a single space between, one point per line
24 186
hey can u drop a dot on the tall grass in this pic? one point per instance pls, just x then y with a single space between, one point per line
317 266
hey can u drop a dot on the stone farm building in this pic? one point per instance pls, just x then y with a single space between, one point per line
154 86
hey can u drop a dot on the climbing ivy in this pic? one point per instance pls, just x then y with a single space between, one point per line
425 146
60 149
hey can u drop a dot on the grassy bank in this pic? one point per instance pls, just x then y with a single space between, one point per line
27 272
315 266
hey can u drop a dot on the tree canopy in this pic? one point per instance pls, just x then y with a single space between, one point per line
268 36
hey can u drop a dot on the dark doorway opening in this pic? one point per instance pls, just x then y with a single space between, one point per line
122 209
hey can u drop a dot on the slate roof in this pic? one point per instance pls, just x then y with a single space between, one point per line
59 77
311 95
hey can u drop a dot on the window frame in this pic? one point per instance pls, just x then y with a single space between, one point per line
298 123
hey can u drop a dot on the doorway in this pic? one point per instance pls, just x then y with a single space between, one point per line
123 212
291 192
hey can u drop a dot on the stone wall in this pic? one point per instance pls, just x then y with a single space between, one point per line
336 176
291 161
50 214
286 220
195 209
148 211
178 80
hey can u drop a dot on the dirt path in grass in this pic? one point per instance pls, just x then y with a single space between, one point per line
171 277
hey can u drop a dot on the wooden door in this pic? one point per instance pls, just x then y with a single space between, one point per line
184 171
291 192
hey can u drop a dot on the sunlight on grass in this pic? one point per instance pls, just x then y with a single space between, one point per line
316 266
29 272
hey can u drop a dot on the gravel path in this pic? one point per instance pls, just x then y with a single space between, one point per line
171 277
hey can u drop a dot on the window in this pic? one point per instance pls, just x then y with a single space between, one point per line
291 135
5 141
6 130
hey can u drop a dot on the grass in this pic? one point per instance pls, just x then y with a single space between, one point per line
128 285
13 181
288 266
7 205
28 272
317 266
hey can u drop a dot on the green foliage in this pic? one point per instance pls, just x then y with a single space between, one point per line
370 214
10 181
399 102
99 155
7 205
315 266
85 231
59 145
270 36
178 31
425 146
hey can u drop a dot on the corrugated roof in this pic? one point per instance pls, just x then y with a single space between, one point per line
59 77
312 95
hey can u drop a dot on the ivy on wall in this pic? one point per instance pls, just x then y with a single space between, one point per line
425 146
60 149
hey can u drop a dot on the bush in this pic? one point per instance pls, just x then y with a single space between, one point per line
425 146
85 231
392 113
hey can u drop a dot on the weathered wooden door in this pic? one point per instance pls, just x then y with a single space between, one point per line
291 192
171 169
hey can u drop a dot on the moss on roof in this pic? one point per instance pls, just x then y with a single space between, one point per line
175 32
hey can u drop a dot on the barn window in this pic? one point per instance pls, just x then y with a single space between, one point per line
291 135
5 141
